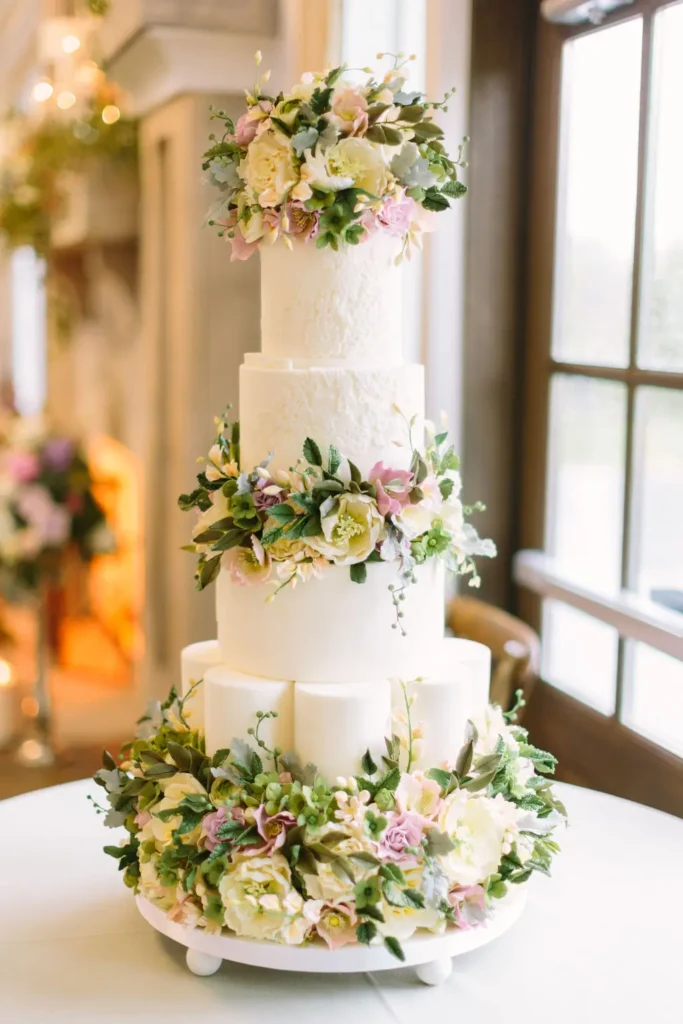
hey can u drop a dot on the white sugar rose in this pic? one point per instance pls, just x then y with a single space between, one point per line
260 901
269 168
329 887
401 922
363 162
479 826
350 531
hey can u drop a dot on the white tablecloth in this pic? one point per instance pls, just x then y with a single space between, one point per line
599 943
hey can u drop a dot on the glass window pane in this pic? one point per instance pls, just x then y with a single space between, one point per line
657 503
661 327
586 478
653 696
597 196
580 656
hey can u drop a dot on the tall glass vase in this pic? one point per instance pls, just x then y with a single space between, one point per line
37 749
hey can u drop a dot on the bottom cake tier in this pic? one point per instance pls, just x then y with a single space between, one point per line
333 724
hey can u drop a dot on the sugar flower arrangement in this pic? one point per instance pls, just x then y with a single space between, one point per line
251 841
331 162
282 527
47 504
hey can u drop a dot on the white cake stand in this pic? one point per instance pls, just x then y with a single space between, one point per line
429 954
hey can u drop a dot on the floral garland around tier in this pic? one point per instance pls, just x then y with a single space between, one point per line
333 160
251 841
47 504
290 525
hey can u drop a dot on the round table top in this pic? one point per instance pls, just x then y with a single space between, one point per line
599 942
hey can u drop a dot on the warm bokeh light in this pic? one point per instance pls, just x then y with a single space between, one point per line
71 43
6 678
65 100
111 114
42 91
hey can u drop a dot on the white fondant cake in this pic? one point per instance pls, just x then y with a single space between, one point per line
321 304
348 628
327 653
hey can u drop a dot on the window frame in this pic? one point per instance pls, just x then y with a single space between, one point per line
635 618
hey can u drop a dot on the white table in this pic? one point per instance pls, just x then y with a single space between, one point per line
599 943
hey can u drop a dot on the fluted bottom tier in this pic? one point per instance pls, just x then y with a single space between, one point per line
332 630
332 724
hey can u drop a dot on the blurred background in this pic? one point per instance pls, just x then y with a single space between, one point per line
548 310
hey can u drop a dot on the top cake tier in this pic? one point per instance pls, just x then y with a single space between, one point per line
321 307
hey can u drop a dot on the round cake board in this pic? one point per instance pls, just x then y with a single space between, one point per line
431 955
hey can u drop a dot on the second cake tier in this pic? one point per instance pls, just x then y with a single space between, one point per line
331 628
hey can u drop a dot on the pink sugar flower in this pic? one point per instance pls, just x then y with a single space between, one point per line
142 818
272 829
404 830
212 822
396 215
469 905
337 924
393 488
349 112
241 249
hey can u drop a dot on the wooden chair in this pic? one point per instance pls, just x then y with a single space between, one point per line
515 646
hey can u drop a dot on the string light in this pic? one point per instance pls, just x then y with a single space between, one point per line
70 44
111 114
65 100
42 91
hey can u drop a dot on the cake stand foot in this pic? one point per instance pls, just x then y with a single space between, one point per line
435 972
202 964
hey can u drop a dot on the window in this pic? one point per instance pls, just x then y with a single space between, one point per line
611 575
29 352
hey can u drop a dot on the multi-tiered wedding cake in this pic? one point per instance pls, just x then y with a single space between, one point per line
331 768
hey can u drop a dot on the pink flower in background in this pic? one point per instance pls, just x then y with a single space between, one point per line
393 488
58 453
404 830
212 822
142 818
23 466
349 112
50 520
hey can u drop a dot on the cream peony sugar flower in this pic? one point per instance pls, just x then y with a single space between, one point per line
162 896
331 888
174 790
269 168
260 901
316 173
479 826
363 162
350 531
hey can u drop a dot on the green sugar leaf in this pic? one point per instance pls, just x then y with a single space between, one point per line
358 572
312 452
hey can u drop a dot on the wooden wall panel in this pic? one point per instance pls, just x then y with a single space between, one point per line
502 59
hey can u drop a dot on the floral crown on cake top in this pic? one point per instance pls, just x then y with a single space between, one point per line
285 526
332 161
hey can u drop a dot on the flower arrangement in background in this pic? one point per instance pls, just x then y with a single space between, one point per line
331 162
30 189
287 526
250 841
46 505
